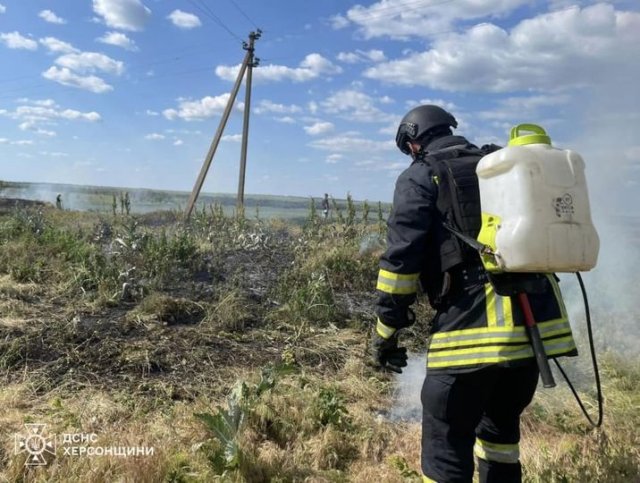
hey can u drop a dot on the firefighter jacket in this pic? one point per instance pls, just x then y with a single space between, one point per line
478 322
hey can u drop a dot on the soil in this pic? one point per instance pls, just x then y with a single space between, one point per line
9 204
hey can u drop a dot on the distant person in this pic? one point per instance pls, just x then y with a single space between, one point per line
59 201
325 206
127 203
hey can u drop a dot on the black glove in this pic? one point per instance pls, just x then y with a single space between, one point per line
385 353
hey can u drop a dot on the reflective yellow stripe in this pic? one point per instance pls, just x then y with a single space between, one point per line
398 276
426 479
489 338
507 310
544 327
397 283
501 453
499 308
492 316
459 353
496 353
384 331
561 345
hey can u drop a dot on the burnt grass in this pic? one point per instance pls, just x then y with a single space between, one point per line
168 339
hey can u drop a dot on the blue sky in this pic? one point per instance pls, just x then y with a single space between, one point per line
130 92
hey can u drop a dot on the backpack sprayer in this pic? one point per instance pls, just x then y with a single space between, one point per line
536 219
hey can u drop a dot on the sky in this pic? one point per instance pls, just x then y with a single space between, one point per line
129 93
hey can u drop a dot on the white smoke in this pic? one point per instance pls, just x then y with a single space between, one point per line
609 142
407 406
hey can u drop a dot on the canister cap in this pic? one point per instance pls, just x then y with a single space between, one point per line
539 135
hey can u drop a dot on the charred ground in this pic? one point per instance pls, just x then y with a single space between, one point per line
233 346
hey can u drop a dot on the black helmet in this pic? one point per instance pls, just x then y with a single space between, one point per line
420 120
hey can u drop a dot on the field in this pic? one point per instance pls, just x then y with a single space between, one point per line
230 347
100 199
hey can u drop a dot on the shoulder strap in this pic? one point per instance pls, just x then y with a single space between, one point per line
448 199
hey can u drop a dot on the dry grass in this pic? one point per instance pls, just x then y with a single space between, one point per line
263 320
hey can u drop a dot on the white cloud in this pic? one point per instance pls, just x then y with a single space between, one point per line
122 14
90 62
269 106
449 106
14 40
37 102
355 105
154 136
334 158
34 112
347 142
56 45
28 126
285 119
206 107
312 67
319 128
358 56
51 17
523 107
349 57
65 77
184 20
232 138
401 19
19 142
178 142
149 112
564 49
339 22
54 154
2 8
118 39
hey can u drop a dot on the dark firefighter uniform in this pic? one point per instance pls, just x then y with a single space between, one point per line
481 371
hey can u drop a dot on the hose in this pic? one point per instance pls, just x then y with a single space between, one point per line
597 423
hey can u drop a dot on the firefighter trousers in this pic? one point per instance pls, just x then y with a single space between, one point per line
475 412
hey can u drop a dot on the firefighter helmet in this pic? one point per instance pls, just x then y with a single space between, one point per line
419 121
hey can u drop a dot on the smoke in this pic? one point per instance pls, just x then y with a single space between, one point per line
97 199
39 192
72 198
609 141
407 406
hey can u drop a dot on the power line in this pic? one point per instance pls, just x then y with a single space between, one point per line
243 13
209 13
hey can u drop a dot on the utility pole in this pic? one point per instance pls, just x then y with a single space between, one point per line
248 62
253 62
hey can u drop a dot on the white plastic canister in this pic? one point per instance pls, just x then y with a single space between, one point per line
535 207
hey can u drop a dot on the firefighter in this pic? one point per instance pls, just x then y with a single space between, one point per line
481 371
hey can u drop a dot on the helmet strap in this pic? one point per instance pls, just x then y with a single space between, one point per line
415 153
